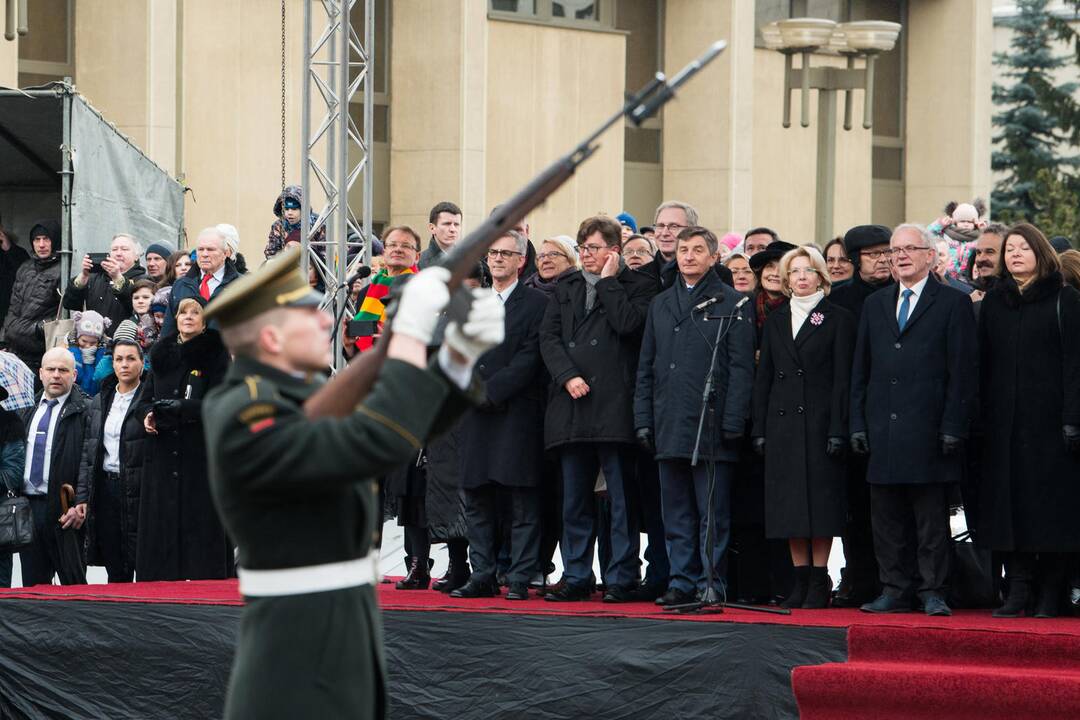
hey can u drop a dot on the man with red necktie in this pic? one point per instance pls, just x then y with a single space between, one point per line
212 271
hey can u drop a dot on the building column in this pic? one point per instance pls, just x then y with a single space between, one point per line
708 128
437 109
9 62
948 116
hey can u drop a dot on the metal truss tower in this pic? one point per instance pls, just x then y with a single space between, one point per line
337 65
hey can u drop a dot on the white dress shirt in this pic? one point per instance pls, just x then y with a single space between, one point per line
504 295
215 279
32 434
114 424
917 289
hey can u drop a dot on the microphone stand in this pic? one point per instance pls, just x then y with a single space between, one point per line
711 603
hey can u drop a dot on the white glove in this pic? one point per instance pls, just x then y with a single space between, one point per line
424 297
483 329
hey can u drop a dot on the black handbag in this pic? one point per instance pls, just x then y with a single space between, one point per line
972 581
16 523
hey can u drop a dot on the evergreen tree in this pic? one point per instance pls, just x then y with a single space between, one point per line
1035 117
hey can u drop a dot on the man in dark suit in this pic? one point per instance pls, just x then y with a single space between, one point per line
672 217
868 249
56 429
501 441
590 339
211 273
675 356
912 390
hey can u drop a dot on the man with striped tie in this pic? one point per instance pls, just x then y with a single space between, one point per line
55 430
912 392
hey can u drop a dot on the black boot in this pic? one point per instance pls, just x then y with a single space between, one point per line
457 574
419 575
797 596
1016 601
1051 586
818 589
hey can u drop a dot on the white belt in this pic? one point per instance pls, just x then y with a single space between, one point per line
309 578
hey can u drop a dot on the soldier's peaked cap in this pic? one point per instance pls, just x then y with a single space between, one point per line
278 283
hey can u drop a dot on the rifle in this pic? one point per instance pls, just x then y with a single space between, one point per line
341 395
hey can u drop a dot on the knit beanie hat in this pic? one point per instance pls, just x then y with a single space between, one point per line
731 240
628 220
126 330
160 248
90 323
160 302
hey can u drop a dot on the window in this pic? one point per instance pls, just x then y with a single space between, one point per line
590 14
47 52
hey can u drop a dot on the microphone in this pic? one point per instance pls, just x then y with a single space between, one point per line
706 303
738 305
361 272
646 109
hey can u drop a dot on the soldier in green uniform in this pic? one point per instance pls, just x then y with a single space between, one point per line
296 494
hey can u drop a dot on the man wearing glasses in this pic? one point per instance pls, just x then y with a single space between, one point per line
912 392
590 338
672 217
868 250
502 451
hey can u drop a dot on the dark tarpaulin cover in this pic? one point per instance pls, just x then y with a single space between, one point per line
79 659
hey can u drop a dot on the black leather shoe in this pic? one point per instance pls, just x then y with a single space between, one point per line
886 604
935 606
619 594
675 596
456 576
646 592
852 594
1016 601
517 591
418 577
475 589
569 593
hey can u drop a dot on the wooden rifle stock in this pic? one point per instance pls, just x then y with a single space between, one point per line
347 389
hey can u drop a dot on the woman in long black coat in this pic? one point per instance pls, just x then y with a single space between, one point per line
800 414
1029 496
180 536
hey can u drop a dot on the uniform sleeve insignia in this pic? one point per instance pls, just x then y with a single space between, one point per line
256 412
257 427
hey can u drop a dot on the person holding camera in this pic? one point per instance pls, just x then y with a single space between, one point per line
180 536
105 283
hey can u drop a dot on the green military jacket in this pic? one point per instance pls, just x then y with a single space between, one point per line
294 492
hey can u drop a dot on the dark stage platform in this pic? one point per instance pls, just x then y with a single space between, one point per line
154 650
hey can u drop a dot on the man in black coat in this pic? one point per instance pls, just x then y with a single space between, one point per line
211 273
868 248
674 362
590 339
502 448
912 389
107 290
444 224
672 217
56 429
34 298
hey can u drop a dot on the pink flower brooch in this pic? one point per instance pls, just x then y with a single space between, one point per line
817 318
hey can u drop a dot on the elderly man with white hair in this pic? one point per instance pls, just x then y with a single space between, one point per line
106 287
212 271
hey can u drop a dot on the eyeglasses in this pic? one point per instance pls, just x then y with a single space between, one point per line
907 250
802 271
399 246
637 253
550 255
504 254
673 227
874 254
744 272
590 249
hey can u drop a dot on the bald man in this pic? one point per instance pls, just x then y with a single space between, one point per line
55 430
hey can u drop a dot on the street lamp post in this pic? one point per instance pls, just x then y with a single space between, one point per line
805 36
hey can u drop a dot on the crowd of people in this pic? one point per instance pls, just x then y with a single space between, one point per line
740 400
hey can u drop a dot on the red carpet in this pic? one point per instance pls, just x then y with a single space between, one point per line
910 672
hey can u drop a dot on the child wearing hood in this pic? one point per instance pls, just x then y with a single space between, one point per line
287 209
87 345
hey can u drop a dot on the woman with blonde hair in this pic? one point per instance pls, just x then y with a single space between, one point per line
800 420
556 259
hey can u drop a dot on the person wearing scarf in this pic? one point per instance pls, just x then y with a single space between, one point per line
401 252
800 413
770 294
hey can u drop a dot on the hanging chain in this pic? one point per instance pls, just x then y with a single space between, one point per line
283 148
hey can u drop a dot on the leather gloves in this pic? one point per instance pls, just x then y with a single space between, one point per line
834 447
1071 434
758 444
860 445
950 445
482 330
645 440
422 299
